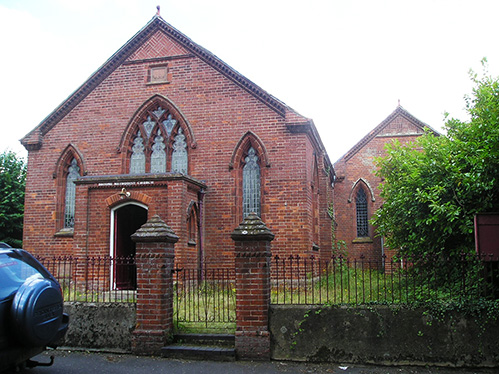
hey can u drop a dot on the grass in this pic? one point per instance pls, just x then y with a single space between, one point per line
344 285
205 328
72 293
357 286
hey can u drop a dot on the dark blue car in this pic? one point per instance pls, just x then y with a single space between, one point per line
31 309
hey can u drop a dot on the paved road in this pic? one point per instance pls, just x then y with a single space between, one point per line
67 362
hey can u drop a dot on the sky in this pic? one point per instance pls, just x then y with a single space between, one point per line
345 64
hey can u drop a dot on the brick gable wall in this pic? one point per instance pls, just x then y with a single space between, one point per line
358 170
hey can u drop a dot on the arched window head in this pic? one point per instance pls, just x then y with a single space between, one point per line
70 199
251 184
361 212
159 142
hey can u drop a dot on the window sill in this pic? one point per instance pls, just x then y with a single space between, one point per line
65 233
362 240
157 82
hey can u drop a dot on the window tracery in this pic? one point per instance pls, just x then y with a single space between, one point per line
169 124
159 144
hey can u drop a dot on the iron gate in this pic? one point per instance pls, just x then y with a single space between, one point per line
204 299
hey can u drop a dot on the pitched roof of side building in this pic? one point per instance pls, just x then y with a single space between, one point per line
399 111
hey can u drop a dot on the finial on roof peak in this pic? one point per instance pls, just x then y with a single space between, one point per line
158 8
399 102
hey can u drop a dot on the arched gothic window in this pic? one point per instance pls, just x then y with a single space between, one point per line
68 168
159 144
361 213
70 198
192 224
251 184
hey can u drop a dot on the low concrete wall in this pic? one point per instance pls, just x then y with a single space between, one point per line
107 326
382 335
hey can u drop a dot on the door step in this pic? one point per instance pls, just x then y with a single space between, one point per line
214 347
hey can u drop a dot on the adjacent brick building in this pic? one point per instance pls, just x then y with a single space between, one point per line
166 128
356 189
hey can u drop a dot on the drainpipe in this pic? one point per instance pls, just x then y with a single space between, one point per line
87 238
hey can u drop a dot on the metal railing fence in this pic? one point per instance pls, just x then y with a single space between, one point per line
342 280
94 279
208 295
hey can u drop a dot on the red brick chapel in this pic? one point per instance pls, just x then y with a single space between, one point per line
166 128
356 189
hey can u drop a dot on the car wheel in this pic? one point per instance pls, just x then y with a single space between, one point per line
37 312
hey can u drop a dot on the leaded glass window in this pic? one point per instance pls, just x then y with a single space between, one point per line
179 155
169 124
158 156
159 144
138 159
251 184
148 126
70 199
361 210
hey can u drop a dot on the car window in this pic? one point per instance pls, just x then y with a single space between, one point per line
13 273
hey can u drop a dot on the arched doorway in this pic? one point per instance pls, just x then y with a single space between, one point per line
125 220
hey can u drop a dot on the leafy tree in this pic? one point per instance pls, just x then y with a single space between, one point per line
12 183
435 185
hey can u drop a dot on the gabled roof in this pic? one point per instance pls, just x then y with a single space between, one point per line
33 139
399 111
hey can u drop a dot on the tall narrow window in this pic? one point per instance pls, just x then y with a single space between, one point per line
158 156
138 159
179 155
361 210
251 184
192 225
70 199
